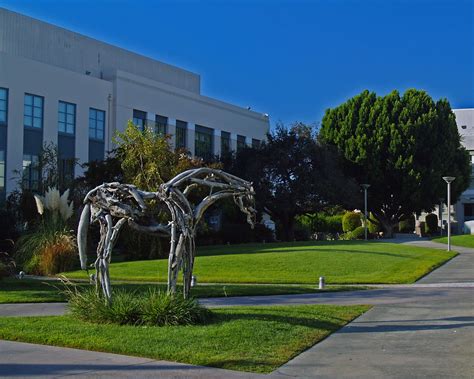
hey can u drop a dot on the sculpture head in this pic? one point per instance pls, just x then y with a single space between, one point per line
246 203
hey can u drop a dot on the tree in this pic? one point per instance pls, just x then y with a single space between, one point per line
147 159
293 174
401 146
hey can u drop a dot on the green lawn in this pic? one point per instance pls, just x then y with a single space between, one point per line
341 262
258 339
465 240
35 291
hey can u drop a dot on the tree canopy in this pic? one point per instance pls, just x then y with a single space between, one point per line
402 146
293 174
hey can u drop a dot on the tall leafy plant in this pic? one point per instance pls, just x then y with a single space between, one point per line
49 247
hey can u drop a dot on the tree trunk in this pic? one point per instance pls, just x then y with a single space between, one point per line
287 228
386 224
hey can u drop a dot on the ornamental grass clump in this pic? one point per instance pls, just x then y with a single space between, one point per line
49 247
152 308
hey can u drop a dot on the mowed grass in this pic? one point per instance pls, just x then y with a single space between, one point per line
258 339
36 291
465 240
341 262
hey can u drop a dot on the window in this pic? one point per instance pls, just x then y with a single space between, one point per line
161 124
3 106
240 143
33 111
31 172
255 143
139 119
66 172
66 118
2 170
96 124
181 128
204 142
225 142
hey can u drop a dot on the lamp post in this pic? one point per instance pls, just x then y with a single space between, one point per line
365 187
449 180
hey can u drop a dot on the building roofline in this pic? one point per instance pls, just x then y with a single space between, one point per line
99 41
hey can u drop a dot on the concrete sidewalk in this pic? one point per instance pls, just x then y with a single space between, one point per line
20 360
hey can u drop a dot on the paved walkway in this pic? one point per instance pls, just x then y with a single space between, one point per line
422 331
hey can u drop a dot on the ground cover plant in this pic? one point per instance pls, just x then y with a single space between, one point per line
37 291
258 339
340 262
152 307
465 240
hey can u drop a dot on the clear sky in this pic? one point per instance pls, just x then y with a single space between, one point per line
291 59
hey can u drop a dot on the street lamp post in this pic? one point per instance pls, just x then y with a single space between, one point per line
449 180
365 187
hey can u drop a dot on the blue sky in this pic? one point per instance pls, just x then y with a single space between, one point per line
291 59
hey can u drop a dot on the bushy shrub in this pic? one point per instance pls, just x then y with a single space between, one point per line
49 247
7 265
373 227
358 233
301 233
152 308
333 224
8 226
407 225
350 221
321 223
46 250
431 225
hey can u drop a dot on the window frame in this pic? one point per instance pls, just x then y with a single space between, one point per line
7 95
182 126
32 116
28 170
226 147
241 142
142 125
96 120
65 122
207 133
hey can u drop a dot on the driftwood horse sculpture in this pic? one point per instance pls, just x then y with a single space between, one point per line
114 204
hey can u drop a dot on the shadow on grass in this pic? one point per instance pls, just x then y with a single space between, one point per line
311 321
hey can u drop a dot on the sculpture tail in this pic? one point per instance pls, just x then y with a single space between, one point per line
82 235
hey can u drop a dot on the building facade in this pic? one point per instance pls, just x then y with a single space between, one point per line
74 91
464 208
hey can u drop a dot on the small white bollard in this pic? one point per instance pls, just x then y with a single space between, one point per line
193 281
321 282
21 275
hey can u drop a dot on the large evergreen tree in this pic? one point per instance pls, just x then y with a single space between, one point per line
402 146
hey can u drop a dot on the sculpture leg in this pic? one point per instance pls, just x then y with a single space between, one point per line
176 265
172 259
188 260
100 253
102 269
110 239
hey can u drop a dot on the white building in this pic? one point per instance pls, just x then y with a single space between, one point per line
62 87
464 208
